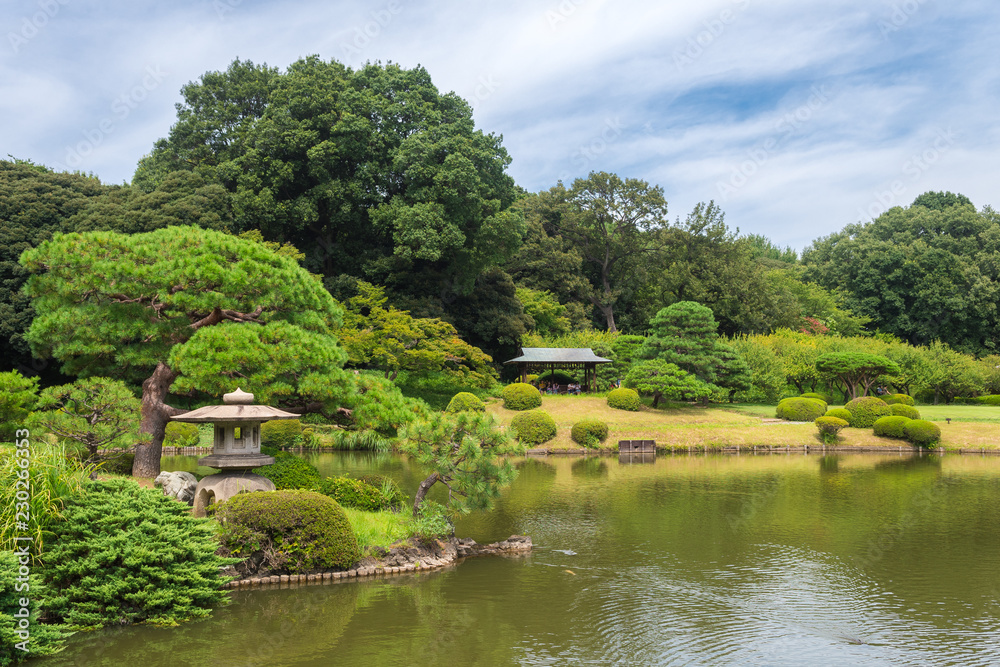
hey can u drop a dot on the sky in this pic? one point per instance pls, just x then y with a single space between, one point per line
796 117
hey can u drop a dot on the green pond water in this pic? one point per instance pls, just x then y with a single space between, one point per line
707 560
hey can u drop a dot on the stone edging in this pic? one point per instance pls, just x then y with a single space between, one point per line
399 560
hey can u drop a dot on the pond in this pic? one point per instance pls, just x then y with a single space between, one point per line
717 559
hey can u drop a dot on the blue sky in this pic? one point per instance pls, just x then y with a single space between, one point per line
796 117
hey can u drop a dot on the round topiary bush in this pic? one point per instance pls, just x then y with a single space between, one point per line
819 397
281 433
901 399
290 472
589 432
893 426
624 399
287 531
534 427
354 493
181 434
904 410
521 396
839 413
800 409
923 433
464 401
829 427
866 409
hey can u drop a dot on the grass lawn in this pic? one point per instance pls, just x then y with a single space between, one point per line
681 427
379 529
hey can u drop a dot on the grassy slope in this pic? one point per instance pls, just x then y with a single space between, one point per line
683 427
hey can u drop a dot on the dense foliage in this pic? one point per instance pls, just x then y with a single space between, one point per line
624 398
533 427
839 413
923 433
181 434
865 410
829 427
589 432
903 410
798 409
281 433
290 472
292 531
18 396
521 396
465 400
24 636
355 493
898 398
124 554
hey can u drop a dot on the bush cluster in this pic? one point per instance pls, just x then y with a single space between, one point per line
589 432
904 410
839 413
181 434
358 494
534 427
389 488
290 472
819 397
288 531
800 409
624 399
281 433
463 401
521 396
866 409
923 433
124 554
829 427
893 426
898 399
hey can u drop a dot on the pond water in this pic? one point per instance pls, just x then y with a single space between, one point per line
717 559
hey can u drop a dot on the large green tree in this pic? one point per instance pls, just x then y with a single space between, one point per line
373 173
204 309
923 273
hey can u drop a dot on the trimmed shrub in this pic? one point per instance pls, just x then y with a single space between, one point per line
354 493
287 531
624 399
992 399
465 400
893 426
290 472
125 555
829 427
44 639
389 489
923 433
800 409
534 427
898 399
904 410
521 396
181 434
589 432
819 397
281 433
866 409
839 413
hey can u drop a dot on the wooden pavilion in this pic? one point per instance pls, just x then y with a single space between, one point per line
542 359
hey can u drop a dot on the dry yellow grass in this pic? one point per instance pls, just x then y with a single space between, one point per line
713 427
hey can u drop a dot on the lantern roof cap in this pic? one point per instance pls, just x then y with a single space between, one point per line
237 407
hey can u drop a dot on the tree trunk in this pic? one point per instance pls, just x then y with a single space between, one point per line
155 416
656 398
608 311
422 490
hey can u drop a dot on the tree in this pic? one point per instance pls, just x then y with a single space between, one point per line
547 314
149 307
857 372
661 379
98 413
466 453
953 374
18 396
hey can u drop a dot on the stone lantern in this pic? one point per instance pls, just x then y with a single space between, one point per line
235 448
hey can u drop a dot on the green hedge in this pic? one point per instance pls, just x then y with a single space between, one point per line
281 433
124 554
898 399
534 427
923 433
389 488
354 493
290 472
589 432
624 399
800 409
521 396
42 639
464 401
866 409
839 413
181 434
893 426
288 531
829 427
904 410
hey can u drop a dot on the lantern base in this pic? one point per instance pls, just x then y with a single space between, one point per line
222 486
